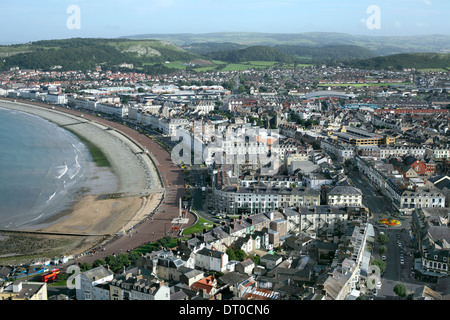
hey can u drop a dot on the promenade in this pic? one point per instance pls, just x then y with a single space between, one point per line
148 226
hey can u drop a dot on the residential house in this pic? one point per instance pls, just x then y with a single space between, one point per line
270 261
207 287
129 286
245 266
421 198
212 260
24 290
425 293
163 264
321 219
341 281
344 196
87 283
431 231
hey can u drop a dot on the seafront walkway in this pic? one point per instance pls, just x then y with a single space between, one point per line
159 223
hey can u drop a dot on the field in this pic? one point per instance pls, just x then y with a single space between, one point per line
217 64
359 85
435 70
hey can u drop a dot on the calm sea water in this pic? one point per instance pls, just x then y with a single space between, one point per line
41 168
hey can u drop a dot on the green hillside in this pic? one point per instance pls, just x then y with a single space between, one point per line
204 48
380 45
402 61
327 53
256 53
83 54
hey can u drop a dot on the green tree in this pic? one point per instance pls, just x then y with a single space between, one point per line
383 239
85 267
123 260
382 249
133 256
112 262
400 290
242 89
380 264
256 259
98 263
238 255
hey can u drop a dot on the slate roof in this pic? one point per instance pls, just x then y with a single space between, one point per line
344 190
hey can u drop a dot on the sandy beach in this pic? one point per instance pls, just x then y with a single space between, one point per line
138 190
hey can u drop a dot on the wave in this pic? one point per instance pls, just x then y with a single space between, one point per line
62 171
77 166
51 197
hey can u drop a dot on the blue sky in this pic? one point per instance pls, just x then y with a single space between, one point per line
30 20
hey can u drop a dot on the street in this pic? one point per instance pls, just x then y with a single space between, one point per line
399 245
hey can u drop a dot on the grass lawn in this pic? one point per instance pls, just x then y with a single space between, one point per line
198 227
146 248
433 70
261 63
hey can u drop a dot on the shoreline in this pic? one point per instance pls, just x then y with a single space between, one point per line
139 188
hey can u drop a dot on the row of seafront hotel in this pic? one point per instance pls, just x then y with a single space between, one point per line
237 199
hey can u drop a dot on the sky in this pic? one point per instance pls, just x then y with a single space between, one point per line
30 20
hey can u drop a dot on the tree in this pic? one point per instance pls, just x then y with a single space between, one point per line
382 249
123 260
400 290
380 264
238 255
97 263
133 256
85 267
112 262
256 259
383 239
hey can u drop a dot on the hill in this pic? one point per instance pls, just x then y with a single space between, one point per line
327 53
204 48
402 61
380 45
86 53
255 53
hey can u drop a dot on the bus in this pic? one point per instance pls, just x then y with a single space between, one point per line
51 276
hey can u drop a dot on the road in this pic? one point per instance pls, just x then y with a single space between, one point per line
395 272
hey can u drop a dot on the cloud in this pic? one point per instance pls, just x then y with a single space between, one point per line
427 2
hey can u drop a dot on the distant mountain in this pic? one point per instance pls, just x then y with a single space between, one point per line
402 61
380 45
86 53
209 47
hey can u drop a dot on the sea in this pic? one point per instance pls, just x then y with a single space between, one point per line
42 169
